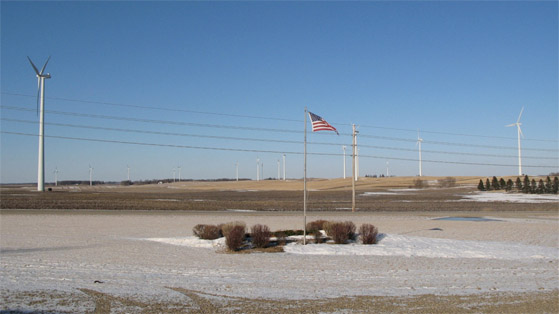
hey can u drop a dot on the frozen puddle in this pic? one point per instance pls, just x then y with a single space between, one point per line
401 245
466 219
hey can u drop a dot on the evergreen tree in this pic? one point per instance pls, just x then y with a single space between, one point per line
502 183
487 184
541 187
548 185
533 186
509 185
495 183
526 188
480 185
555 185
518 184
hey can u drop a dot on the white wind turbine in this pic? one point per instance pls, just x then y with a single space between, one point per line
56 176
41 99
518 124
418 144
90 175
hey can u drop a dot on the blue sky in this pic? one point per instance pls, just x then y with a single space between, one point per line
445 68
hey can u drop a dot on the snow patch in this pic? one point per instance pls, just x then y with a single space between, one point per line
509 197
409 246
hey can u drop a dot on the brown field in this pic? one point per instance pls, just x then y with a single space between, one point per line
270 195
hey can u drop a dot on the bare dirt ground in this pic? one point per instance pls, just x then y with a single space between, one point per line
76 250
323 195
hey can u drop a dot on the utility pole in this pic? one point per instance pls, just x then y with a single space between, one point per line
283 167
257 169
343 147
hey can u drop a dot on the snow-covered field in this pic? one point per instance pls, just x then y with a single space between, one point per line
144 254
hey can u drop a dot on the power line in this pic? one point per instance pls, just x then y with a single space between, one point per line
167 122
262 151
263 139
268 117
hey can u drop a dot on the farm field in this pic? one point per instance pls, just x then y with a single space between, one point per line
125 249
372 194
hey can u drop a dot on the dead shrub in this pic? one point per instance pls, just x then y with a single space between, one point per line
328 227
260 235
448 182
234 238
368 234
340 232
206 232
419 184
316 225
227 227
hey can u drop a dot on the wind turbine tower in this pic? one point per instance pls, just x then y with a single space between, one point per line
418 144
519 131
56 176
41 98
90 176
283 167
257 169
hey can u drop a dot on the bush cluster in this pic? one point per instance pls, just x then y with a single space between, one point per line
368 234
447 182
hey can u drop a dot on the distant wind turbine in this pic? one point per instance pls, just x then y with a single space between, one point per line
41 99
257 169
179 173
418 144
128 168
237 170
519 131
90 175
56 176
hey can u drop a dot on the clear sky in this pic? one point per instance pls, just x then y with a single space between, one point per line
458 71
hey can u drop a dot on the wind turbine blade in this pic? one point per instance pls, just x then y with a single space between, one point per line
34 67
520 131
44 66
506 126
520 115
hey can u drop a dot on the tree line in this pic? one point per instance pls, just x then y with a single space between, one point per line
525 185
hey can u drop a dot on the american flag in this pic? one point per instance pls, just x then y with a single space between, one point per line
319 124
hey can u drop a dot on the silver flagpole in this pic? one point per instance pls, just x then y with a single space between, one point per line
305 186
353 171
